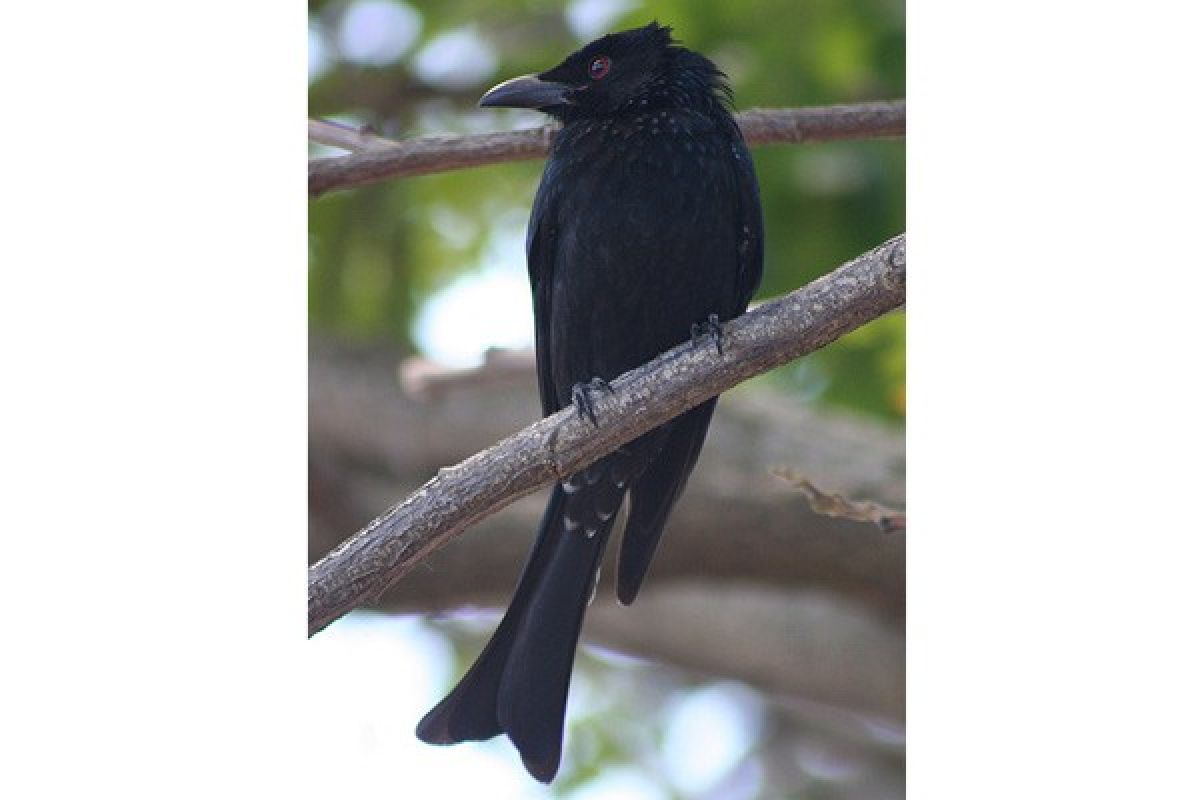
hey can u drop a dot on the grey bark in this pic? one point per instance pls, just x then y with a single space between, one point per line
377 158
363 567
738 523
750 583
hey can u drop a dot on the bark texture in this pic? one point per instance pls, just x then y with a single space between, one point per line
364 566
376 158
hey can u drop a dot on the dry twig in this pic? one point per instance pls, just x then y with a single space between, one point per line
888 520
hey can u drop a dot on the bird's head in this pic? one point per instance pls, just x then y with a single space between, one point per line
636 70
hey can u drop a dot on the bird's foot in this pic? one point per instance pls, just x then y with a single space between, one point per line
711 328
581 397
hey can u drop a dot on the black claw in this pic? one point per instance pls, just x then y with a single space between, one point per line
601 385
581 397
711 328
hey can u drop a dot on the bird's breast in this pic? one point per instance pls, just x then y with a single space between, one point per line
645 243
679 147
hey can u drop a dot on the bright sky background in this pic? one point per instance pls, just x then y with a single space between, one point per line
383 672
486 307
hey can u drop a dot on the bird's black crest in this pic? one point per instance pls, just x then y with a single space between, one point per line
716 81
659 34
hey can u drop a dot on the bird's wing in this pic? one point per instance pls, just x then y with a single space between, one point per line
655 491
540 254
750 226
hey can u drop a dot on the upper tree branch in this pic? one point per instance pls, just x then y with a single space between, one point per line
362 567
377 158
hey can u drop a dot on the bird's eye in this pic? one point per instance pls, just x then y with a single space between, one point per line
599 67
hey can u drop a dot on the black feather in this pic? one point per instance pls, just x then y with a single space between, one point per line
647 221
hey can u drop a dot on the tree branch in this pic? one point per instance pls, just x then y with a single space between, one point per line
335 134
361 568
370 442
376 158
738 533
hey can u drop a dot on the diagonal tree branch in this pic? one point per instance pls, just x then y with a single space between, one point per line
376 158
781 330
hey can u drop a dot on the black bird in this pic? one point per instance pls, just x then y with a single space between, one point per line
646 230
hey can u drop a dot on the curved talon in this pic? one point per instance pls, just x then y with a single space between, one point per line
581 397
711 327
600 385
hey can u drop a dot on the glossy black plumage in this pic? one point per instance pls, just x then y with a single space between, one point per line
647 220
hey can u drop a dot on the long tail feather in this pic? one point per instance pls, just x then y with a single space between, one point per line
653 495
519 683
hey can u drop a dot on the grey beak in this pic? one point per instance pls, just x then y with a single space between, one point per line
527 91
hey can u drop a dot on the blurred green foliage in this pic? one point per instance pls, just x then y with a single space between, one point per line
377 253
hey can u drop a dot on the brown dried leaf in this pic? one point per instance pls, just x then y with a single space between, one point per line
834 505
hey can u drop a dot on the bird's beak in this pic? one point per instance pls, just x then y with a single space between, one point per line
527 91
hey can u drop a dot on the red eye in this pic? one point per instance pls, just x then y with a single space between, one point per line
599 67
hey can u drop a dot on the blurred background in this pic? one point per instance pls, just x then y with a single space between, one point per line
766 655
